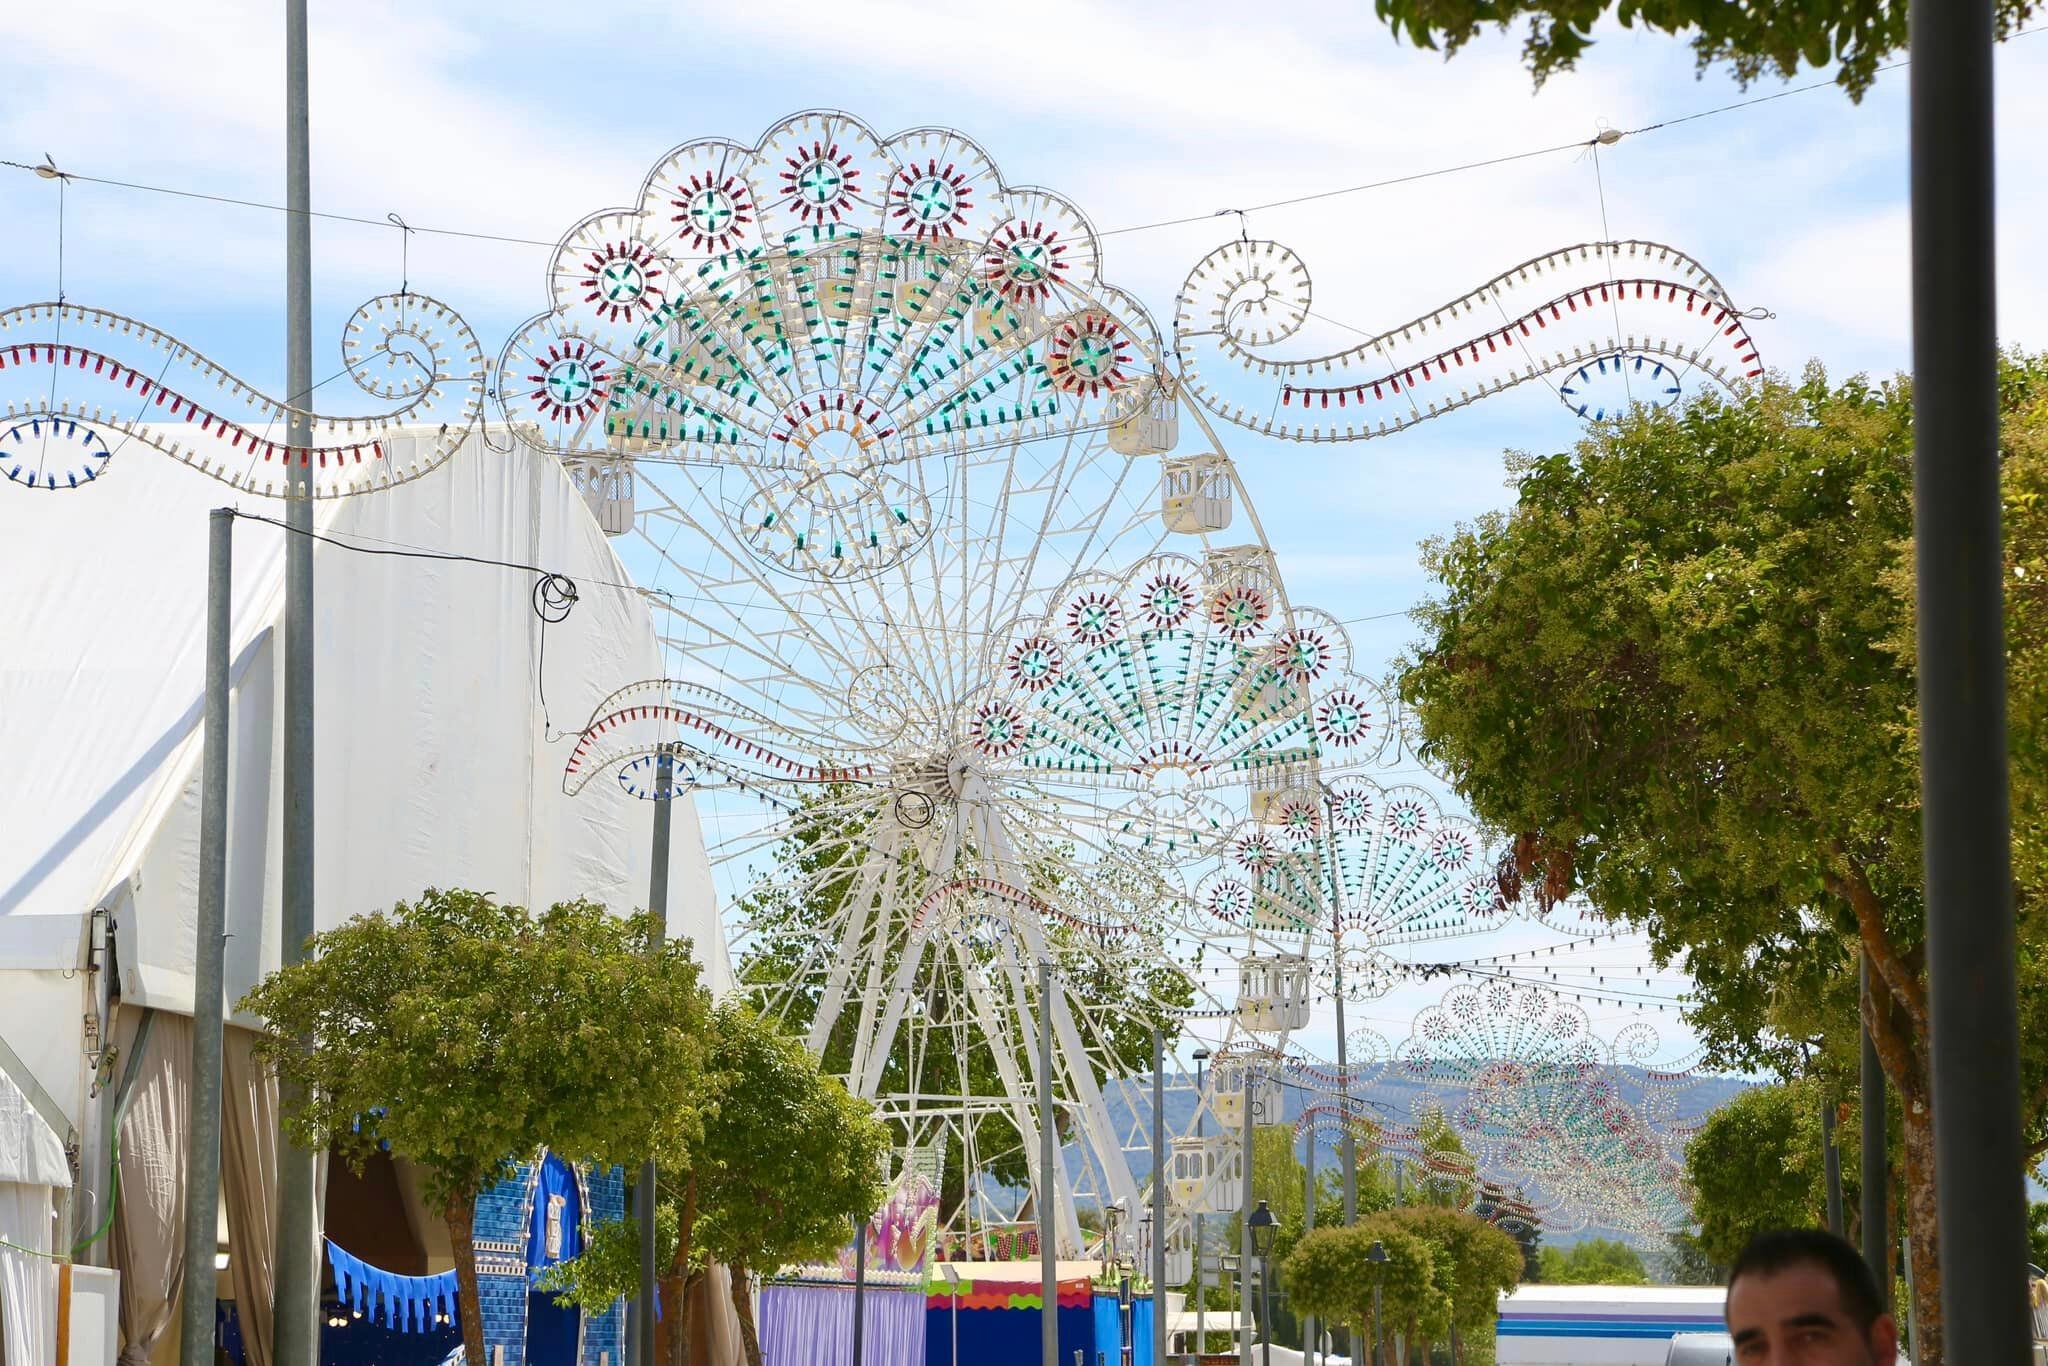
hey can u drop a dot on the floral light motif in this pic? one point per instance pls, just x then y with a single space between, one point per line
821 183
1034 663
622 281
930 201
1025 261
712 212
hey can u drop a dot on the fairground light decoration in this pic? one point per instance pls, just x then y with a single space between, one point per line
94 381
977 658
974 662
1605 323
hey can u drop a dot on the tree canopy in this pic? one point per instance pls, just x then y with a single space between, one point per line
1751 39
1757 1163
466 1034
784 1165
1679 671
1330 1275
1593 1261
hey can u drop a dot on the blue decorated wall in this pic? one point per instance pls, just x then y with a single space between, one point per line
532 1219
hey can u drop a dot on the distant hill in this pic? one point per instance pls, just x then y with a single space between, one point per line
1396 1101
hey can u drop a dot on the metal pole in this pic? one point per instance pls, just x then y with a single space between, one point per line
296 1292
860 1287
1244 1225
1308 1225
1963 783
1048 1251
1266 1311
1158 1198
647 1194
1876 1158
1831 1161
1379 1330
202 1152
1201 1247
1347 1143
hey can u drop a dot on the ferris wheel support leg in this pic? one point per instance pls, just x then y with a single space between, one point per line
866 890
1095 1122
871 1052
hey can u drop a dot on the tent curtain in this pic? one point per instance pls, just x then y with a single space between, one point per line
714 1325
248 1187
812 1325
28 1279
149 1218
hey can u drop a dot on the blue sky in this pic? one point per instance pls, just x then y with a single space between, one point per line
518 118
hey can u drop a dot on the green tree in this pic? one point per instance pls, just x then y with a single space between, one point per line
466 1034
1474 1264
1330 1275
1751 39
2037 1233
785 1164
789 1160
1595 1261
1757 1163
1679 672
1685 1261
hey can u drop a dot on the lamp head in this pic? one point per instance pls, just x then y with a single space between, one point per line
1377 1254
1201 1055
1264 1228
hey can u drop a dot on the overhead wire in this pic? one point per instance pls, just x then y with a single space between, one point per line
49 170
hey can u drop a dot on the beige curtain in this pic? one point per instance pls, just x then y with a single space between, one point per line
714 1325
248 1187
149 1220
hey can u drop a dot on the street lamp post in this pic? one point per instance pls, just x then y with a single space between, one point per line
1201 1131
952 1275
1377 1255
1264 1228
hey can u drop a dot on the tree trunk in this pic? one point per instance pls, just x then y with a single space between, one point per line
1921 1218
675 1316
743 1305
676 1282
460 1215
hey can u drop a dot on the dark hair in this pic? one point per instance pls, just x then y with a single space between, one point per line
1769 1253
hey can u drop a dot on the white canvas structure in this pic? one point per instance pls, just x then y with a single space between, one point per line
32 1172
442 706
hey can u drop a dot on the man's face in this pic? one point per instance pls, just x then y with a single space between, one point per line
1795 1317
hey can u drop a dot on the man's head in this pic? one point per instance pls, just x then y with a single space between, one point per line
1802 1297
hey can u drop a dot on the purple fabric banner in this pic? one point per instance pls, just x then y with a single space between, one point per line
812 1325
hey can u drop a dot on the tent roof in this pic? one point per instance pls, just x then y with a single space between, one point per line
442 707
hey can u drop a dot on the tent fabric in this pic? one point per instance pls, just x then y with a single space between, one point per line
28 1272
812 1325
441 702
149 1218
30 1152
248 1184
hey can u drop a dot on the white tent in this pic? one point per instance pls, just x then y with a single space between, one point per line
32 1171
442 706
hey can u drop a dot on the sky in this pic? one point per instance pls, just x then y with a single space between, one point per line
516 119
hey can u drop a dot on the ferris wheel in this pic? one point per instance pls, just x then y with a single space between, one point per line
973 660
